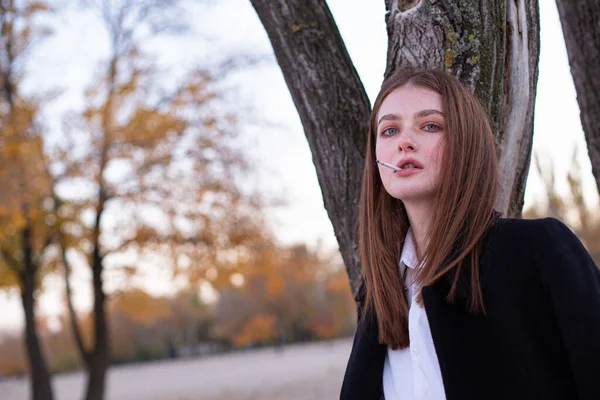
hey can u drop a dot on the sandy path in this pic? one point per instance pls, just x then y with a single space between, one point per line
299 372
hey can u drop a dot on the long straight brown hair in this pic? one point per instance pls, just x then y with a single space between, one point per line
464 210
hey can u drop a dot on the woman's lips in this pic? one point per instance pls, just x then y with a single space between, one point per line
407 171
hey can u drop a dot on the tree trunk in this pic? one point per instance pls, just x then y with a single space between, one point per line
493 46
582 37
40 377
332 103
96 384
99 360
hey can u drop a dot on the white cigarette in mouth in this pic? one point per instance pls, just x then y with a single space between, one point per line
388 165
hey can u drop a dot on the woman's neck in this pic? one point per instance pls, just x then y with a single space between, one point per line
419 215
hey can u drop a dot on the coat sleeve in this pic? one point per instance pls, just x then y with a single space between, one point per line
572 281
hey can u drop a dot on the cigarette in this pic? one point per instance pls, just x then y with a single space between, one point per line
388 165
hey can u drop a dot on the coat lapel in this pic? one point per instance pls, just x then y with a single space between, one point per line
363 378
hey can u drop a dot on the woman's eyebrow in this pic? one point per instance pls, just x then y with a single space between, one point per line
389 117
419 114
427 113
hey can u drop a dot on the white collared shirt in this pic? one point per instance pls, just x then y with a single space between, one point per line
413 373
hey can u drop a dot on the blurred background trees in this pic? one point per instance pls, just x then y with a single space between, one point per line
146 174
287 295
154 159
571 206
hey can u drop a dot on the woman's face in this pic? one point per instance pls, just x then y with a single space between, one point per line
410 130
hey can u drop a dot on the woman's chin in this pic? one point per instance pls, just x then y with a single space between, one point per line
413 195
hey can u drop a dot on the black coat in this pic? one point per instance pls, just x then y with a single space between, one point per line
539 340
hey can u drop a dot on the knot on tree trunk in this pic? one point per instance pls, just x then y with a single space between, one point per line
405 5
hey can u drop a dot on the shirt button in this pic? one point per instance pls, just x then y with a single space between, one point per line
415 351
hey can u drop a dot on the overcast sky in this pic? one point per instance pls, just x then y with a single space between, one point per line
69 59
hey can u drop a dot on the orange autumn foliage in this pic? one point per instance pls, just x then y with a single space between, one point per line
260 328
288 294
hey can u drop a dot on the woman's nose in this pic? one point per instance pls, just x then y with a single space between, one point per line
405 143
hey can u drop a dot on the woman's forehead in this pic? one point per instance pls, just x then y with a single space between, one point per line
407 100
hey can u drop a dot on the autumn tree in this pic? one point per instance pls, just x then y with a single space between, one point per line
27 229
492 46
27 221
158 158
582 38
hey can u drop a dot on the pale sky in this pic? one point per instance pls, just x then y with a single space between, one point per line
67 60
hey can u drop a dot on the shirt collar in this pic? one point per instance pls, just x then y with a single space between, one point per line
408 257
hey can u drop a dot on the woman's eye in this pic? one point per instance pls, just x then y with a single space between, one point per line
431 127
389 131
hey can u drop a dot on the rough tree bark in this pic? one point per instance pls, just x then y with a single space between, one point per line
581 29
493 46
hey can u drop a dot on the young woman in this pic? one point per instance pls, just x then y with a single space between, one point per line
458 303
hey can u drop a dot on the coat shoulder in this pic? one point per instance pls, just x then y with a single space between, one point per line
520 247
529 233
536 245
515 225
